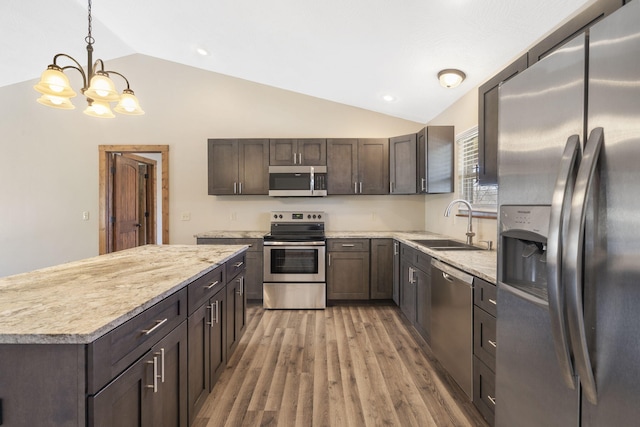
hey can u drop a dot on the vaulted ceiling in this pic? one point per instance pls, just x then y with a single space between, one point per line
348 51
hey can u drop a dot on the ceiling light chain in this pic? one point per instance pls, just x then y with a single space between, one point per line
97 87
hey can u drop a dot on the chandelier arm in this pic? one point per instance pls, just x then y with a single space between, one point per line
117 73
79 67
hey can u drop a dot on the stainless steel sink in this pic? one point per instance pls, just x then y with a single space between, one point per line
446 245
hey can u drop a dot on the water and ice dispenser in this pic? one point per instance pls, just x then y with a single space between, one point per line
523 236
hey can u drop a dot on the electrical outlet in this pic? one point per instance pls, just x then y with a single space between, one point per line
186 216
85 216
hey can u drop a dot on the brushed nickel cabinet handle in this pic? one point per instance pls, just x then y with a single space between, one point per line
154 386
348 245
492 399
212 285
238 264
154 328
492 301
493 343
161 354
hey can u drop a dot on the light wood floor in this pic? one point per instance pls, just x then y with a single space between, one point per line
344 366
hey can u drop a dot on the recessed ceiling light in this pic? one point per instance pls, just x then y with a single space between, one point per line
388 98
202 51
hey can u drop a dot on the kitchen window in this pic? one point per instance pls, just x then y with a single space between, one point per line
483 198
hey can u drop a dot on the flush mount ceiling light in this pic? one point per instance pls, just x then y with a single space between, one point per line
98 87
451 77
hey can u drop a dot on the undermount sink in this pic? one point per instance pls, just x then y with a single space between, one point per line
446 245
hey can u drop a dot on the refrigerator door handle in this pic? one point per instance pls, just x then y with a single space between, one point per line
558 221
573 264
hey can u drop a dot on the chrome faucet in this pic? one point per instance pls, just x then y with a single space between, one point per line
470 232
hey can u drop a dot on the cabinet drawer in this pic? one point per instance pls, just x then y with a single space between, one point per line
348 245
409 254
200 290
484 337
484 390
235 265
255 245
423 262
112 353
484 295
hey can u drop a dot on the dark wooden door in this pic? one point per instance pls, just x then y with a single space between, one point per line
396 272
232 327
342 166
348 276
402 164
199 333
223 166
373 166
254 274
218 341
312 152
436 159
381 268
253 166
125 203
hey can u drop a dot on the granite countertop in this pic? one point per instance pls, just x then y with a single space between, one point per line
481 263
80 301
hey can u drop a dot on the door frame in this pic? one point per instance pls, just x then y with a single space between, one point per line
104 192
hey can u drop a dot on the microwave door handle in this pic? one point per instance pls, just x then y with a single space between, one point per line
313 179
558 221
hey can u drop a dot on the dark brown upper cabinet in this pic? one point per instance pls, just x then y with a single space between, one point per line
358 166
402 164
299 152
238 166
435 160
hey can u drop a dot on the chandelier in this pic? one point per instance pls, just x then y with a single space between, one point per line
97 87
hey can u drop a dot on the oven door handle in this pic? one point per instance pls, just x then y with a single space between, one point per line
270 243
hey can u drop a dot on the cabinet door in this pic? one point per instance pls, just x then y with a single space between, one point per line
253 169
381 268
488 121
312 152
435 159
408 290
218 337
373 166
222 166
170 401
152 392
423 304
342 166
402 164
283 152
199 365
348 276
236 319
396 272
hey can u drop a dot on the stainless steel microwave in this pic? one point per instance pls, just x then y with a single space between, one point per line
297 181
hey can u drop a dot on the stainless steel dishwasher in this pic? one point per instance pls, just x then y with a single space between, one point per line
452 322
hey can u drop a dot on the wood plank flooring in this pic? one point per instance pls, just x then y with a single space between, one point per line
348 365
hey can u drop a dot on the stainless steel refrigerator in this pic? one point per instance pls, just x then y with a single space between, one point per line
568 326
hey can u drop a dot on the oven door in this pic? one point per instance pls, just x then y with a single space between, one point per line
294 261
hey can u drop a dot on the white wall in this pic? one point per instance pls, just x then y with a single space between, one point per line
463 115
49 159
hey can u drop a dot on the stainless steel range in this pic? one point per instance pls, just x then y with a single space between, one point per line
294 261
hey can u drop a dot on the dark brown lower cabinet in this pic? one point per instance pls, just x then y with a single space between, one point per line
484 348
415 289
207 350
236 312
381 268
152 392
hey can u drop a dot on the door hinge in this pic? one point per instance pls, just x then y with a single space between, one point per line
146 214
146 176
113 220
113 169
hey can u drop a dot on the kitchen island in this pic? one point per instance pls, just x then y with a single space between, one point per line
70 333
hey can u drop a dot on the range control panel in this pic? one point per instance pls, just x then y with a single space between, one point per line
297 216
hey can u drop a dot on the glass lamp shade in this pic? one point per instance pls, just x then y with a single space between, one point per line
99 109
451 78
128 104
56 102
102 89
54 82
